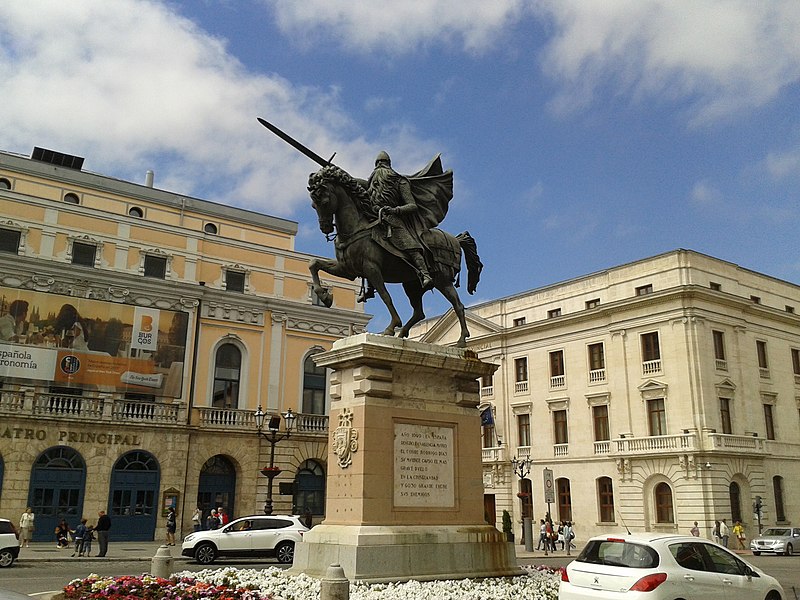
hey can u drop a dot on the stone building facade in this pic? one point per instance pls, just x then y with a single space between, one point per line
155 324
657 393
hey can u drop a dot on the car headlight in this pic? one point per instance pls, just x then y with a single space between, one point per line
188 538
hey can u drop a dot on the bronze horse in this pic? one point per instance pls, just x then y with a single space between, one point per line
362 250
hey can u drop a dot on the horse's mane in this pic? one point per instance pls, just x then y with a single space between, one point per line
333 174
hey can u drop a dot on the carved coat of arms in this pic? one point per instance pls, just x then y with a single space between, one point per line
345 439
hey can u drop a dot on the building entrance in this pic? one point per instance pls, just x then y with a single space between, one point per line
217 486
133 504
58 479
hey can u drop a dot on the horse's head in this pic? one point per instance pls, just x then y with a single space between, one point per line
323 200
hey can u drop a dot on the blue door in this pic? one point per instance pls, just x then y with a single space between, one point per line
217 486
56 491
133 498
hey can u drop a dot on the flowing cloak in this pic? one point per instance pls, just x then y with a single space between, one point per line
432 189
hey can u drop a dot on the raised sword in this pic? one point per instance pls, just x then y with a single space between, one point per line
297 145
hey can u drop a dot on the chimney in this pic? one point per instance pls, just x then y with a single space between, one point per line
148 178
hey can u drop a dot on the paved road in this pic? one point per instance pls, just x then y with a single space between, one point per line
30 577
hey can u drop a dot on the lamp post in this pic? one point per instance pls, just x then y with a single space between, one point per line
273 436
522 467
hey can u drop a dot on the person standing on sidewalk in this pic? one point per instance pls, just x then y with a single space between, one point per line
80 532
102 528
26 527
172 524
197 519
568 536
724 532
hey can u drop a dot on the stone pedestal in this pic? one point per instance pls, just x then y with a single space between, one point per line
404 487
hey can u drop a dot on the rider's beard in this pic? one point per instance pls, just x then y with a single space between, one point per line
380 186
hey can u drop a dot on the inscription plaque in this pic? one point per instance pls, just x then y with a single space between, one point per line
424 471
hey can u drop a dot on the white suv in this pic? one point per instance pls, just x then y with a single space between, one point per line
9 543
663 567
258 535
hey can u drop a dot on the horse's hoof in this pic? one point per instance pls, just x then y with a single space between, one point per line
326 298
388 331
461 344
403 334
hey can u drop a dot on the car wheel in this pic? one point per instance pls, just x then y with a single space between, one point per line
205 554
285 552
789 549
6 558
756 553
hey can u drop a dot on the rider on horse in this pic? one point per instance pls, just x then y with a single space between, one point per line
409 206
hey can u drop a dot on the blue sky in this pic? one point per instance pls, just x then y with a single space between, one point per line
582 134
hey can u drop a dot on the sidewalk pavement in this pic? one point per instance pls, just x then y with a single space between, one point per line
145 551
117 552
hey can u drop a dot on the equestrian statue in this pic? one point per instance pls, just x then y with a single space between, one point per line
385 230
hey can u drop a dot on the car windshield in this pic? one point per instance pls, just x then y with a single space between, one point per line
619 553
776 532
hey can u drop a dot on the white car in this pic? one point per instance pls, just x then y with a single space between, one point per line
258 535
663 567
777 540
9 543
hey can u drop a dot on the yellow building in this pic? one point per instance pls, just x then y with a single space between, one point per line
139 331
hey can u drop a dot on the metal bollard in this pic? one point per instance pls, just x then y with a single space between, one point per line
161 565
334 586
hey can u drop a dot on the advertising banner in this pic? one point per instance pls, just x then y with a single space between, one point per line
93 344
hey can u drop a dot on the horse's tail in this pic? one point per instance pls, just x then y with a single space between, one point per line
474 264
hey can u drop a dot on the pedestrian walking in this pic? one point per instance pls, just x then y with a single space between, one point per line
212 521
542 536
716 534
172 524
102 528
26 528
738 533
80 531
197 519
223 517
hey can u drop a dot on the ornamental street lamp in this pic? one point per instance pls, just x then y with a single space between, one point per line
273 436
522 467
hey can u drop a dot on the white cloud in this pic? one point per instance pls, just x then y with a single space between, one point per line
398 27
717 56
705 194
783 164
131 85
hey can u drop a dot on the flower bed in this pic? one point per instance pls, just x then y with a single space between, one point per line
540 583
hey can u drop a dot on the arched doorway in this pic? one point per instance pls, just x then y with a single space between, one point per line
736 501
133 499
58 478
309 489
217 486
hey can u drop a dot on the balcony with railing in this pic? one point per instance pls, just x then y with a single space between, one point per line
521 387
90 408
560 449
651 367
487 390
558 381
239 419
721 364
492 455
597 375
603 447
763 372
656 444
739 444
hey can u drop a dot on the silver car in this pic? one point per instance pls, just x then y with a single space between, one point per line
777 540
